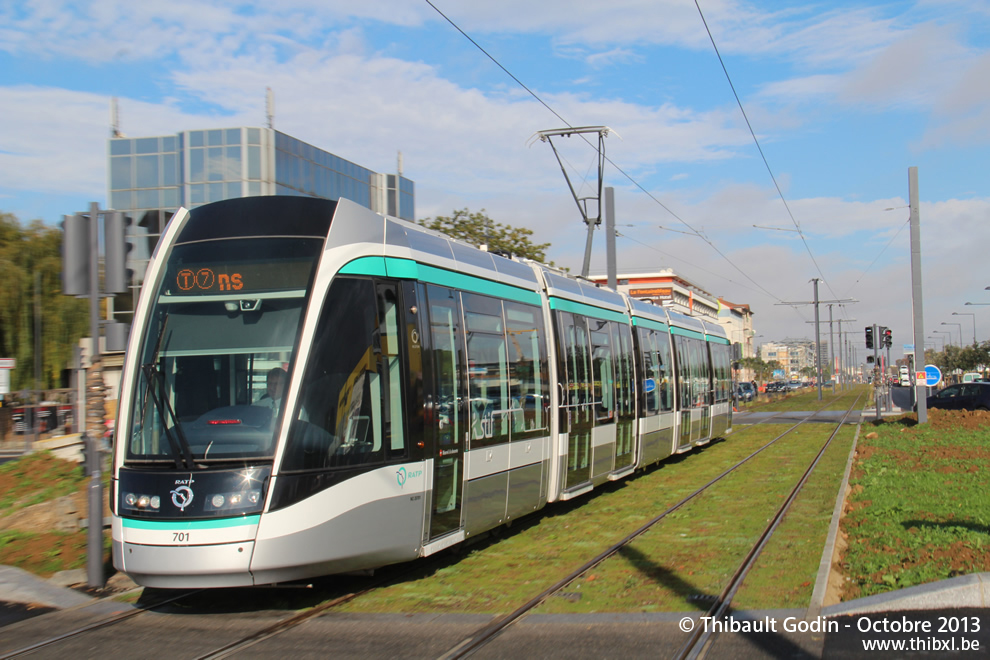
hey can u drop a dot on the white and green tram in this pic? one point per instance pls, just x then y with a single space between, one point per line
425 392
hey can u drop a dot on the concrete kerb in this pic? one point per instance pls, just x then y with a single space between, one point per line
828 554
19 586
964 591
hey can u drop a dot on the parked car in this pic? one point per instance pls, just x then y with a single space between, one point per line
745 392
964 396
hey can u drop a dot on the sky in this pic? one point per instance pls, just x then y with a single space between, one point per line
842 97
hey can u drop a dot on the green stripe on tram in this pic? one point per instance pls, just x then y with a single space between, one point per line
715 339
412 270
584 309
650 323
684 332
184 525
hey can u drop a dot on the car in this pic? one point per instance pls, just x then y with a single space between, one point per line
963 396
745 392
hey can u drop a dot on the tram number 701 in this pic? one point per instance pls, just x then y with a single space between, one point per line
180 537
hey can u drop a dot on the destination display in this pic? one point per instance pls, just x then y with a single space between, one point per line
241 277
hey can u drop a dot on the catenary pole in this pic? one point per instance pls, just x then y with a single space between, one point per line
916 293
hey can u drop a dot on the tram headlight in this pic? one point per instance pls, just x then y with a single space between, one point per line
237 501
141 502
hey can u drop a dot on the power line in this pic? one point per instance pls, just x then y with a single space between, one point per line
609 160
759 148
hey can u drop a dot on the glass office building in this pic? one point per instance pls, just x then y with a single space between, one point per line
150 177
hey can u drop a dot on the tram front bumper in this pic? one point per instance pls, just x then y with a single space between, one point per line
184 567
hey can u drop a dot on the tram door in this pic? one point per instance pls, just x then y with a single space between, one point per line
625 454
577 409
450 421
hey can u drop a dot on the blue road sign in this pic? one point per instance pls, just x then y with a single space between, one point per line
933 375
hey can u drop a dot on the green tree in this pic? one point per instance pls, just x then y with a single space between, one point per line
763 370
29 255
478 229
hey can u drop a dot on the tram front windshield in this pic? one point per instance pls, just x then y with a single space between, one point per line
217 351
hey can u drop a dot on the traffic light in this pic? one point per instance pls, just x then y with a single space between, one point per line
887 338
869 336
116 277
75 255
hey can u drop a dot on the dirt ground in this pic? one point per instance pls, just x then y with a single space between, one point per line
46 537
959 558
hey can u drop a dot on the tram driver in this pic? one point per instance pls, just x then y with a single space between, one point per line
274 390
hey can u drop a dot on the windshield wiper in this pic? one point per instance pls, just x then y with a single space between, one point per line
155 389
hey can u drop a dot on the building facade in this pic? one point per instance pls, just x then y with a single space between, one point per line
666 289
792 354
150 177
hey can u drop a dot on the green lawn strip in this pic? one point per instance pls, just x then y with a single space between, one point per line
919 507
807 399
689 557
36 478
43 555
785 572
540 549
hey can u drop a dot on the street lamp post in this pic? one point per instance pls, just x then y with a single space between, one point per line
948 342
974 322
939 347
958 325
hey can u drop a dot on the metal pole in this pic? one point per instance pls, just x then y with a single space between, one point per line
877 374
818 343
37 362
916 292
831 351
587 248
94 536
610 237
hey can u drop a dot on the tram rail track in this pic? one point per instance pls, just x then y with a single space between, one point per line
485 635
468 645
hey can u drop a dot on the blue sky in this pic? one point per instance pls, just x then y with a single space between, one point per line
843 97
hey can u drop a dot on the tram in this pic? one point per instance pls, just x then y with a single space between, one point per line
312 388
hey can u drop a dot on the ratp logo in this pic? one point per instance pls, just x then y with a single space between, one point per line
402 475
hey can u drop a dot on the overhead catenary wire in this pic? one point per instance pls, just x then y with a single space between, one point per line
708 241
759 148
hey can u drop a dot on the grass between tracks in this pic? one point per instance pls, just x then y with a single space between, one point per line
670 570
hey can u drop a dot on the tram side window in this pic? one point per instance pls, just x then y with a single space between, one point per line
651 375
702 380
488 370
575 370
666 368
722 368
604 379
349 410
624 379
684 372
528 370
448 358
